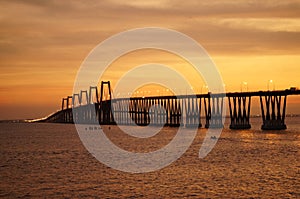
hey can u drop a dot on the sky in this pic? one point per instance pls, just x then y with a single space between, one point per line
43 44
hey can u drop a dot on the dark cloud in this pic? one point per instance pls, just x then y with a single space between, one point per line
64 24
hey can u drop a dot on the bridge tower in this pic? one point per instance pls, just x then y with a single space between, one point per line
84 106
105 115
272 115
76 110
239 109
63 103
92 106
66 111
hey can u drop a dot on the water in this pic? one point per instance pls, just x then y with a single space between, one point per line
49 160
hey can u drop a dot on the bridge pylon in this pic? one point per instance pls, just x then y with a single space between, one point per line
75 105
92 106
66 111
105 115
272 115
63 100
239 109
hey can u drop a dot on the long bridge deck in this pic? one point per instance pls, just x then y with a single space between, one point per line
174 110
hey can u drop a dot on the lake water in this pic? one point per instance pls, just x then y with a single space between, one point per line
48 160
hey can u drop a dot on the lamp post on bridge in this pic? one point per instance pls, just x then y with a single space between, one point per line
206 88
167 92
157 92
244 85
271 82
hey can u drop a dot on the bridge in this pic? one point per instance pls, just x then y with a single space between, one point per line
173 110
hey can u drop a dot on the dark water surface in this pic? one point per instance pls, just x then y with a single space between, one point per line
49 160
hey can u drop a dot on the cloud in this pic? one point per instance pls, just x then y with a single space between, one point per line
221 8
65 24
154 4
262 24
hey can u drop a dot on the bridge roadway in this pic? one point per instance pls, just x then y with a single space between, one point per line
174 110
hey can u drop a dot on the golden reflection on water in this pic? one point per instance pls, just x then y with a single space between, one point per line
40 160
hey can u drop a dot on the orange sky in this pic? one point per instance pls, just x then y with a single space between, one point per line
43 43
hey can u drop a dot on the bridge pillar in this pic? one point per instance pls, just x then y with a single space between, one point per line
158 114
122 110
173 112
272 115
192 112
163 113
132 111
213 105
178 112
139 111
239 108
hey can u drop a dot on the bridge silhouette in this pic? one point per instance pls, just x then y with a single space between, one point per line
173 111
